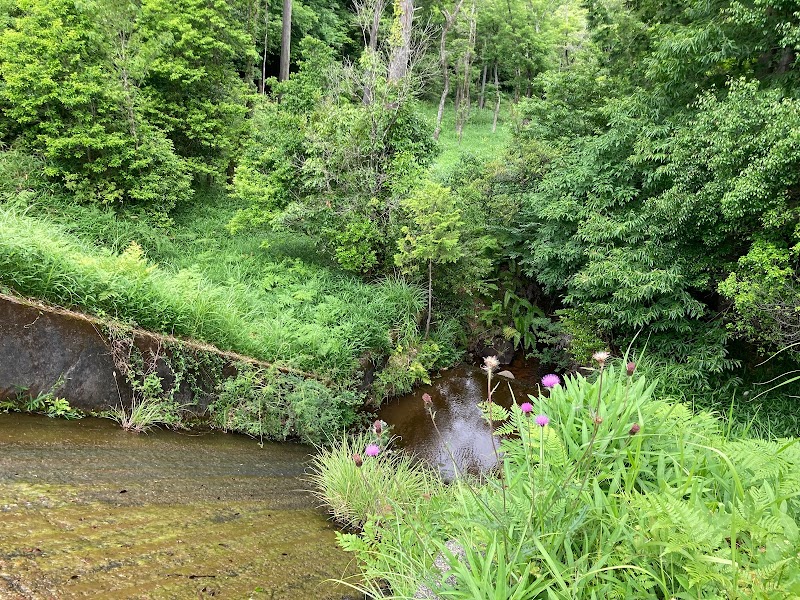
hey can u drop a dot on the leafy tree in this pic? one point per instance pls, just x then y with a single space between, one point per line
193 90
433 235
68 83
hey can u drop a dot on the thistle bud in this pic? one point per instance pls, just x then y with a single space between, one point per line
426 399
630 368
357 459
634 429
377 427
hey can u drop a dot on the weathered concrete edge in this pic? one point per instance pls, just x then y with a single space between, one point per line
42 343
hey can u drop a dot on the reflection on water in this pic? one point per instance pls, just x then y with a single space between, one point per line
463 434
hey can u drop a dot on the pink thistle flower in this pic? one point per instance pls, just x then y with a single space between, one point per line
601 357
551 380
542 420
372 450
526 407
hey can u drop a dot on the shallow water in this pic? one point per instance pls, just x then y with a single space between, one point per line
463 442
90 511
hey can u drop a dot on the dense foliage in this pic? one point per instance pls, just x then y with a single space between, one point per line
657 182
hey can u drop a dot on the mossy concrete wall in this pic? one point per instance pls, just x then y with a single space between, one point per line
41 345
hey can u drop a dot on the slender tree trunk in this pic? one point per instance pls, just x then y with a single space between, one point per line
497 99
449 21
442 101
482 100
262 86
516 86
286 40
401 52
430 297
462 113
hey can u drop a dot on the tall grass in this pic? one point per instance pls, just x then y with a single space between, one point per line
194 279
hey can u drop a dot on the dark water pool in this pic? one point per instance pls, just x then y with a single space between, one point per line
463 435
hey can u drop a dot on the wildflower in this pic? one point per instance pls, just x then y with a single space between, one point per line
630 368
542 420
372 450
378 426
634 429
601 357
526 407
490 363
357 459
426 398
551 380
596 418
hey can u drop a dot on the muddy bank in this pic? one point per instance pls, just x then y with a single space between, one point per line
90 511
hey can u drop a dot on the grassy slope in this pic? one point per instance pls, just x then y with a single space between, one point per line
270 296
275 303
477 138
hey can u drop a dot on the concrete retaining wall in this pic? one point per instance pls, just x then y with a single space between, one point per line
39 345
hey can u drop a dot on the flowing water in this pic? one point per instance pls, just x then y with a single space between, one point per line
90 511
463 442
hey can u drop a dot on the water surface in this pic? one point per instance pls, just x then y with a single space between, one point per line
463 442
90 511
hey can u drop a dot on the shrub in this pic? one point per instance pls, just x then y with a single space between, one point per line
277 406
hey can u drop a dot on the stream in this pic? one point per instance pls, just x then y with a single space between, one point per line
88 510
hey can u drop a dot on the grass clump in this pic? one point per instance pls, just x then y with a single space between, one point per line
358 489
603 490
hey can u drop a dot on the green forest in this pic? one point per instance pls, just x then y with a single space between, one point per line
363 194
416 181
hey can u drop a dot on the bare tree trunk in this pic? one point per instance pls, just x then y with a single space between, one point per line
516 86
376 22
482 100
286 40
262 85
401 51
462 112
497 99
449 21
430 297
